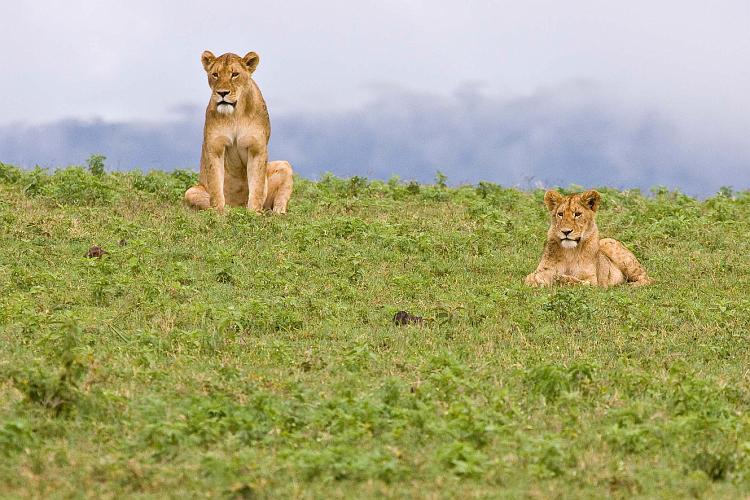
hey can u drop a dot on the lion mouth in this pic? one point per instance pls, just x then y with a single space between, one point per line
569 242
225 107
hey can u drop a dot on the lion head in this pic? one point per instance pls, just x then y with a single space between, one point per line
228 76
573 217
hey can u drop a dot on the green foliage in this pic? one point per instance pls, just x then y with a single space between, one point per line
95 164
15 436
165 186
569 304
552 380
246 355
76 186
56 386
716 464
9 174
441 180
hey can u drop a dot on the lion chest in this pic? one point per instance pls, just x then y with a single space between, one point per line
240 144
577 264
235 157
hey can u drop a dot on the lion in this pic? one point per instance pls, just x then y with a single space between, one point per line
574 253
234 167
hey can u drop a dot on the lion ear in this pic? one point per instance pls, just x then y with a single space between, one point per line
552 198
251 60
207 58
591 199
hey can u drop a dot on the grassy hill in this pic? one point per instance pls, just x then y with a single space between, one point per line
256 355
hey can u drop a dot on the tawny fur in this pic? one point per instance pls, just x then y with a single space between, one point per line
234 167
574 253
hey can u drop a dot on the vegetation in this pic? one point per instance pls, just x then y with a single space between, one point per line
256 356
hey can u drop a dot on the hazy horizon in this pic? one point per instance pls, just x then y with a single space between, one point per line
625 95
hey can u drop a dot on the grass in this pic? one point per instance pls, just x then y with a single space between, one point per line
255 356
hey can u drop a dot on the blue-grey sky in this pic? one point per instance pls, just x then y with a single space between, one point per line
681 68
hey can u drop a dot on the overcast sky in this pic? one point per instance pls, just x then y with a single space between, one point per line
687 60
137 59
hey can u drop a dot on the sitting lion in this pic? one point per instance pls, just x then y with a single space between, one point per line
234 158
575 254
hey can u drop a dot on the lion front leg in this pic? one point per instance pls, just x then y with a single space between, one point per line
257 164
212 168
544 277
572 280
215 186
583 276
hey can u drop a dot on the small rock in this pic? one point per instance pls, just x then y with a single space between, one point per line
403 318
95 252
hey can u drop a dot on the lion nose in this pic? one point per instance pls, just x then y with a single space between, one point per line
223 93
566 231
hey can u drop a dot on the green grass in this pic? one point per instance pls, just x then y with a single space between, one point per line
254 356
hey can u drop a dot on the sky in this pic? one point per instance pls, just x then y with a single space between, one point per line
671 76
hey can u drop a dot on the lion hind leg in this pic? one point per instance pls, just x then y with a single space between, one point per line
625 261
197 197
280 182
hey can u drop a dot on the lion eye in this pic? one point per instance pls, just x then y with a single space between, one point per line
215 75
577 214
235 75
559 214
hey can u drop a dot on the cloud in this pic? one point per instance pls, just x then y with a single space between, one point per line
130 60
577 133
127 145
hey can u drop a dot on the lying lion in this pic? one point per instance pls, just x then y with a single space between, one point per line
234 166
575 254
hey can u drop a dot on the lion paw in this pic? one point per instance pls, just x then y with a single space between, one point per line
572 280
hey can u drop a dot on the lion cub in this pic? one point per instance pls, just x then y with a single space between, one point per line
234 157
575 254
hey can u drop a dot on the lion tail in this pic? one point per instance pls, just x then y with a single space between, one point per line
197 197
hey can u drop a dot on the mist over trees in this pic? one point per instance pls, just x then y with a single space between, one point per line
571 134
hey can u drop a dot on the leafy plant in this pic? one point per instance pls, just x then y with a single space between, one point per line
95 164
259 353
56 388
